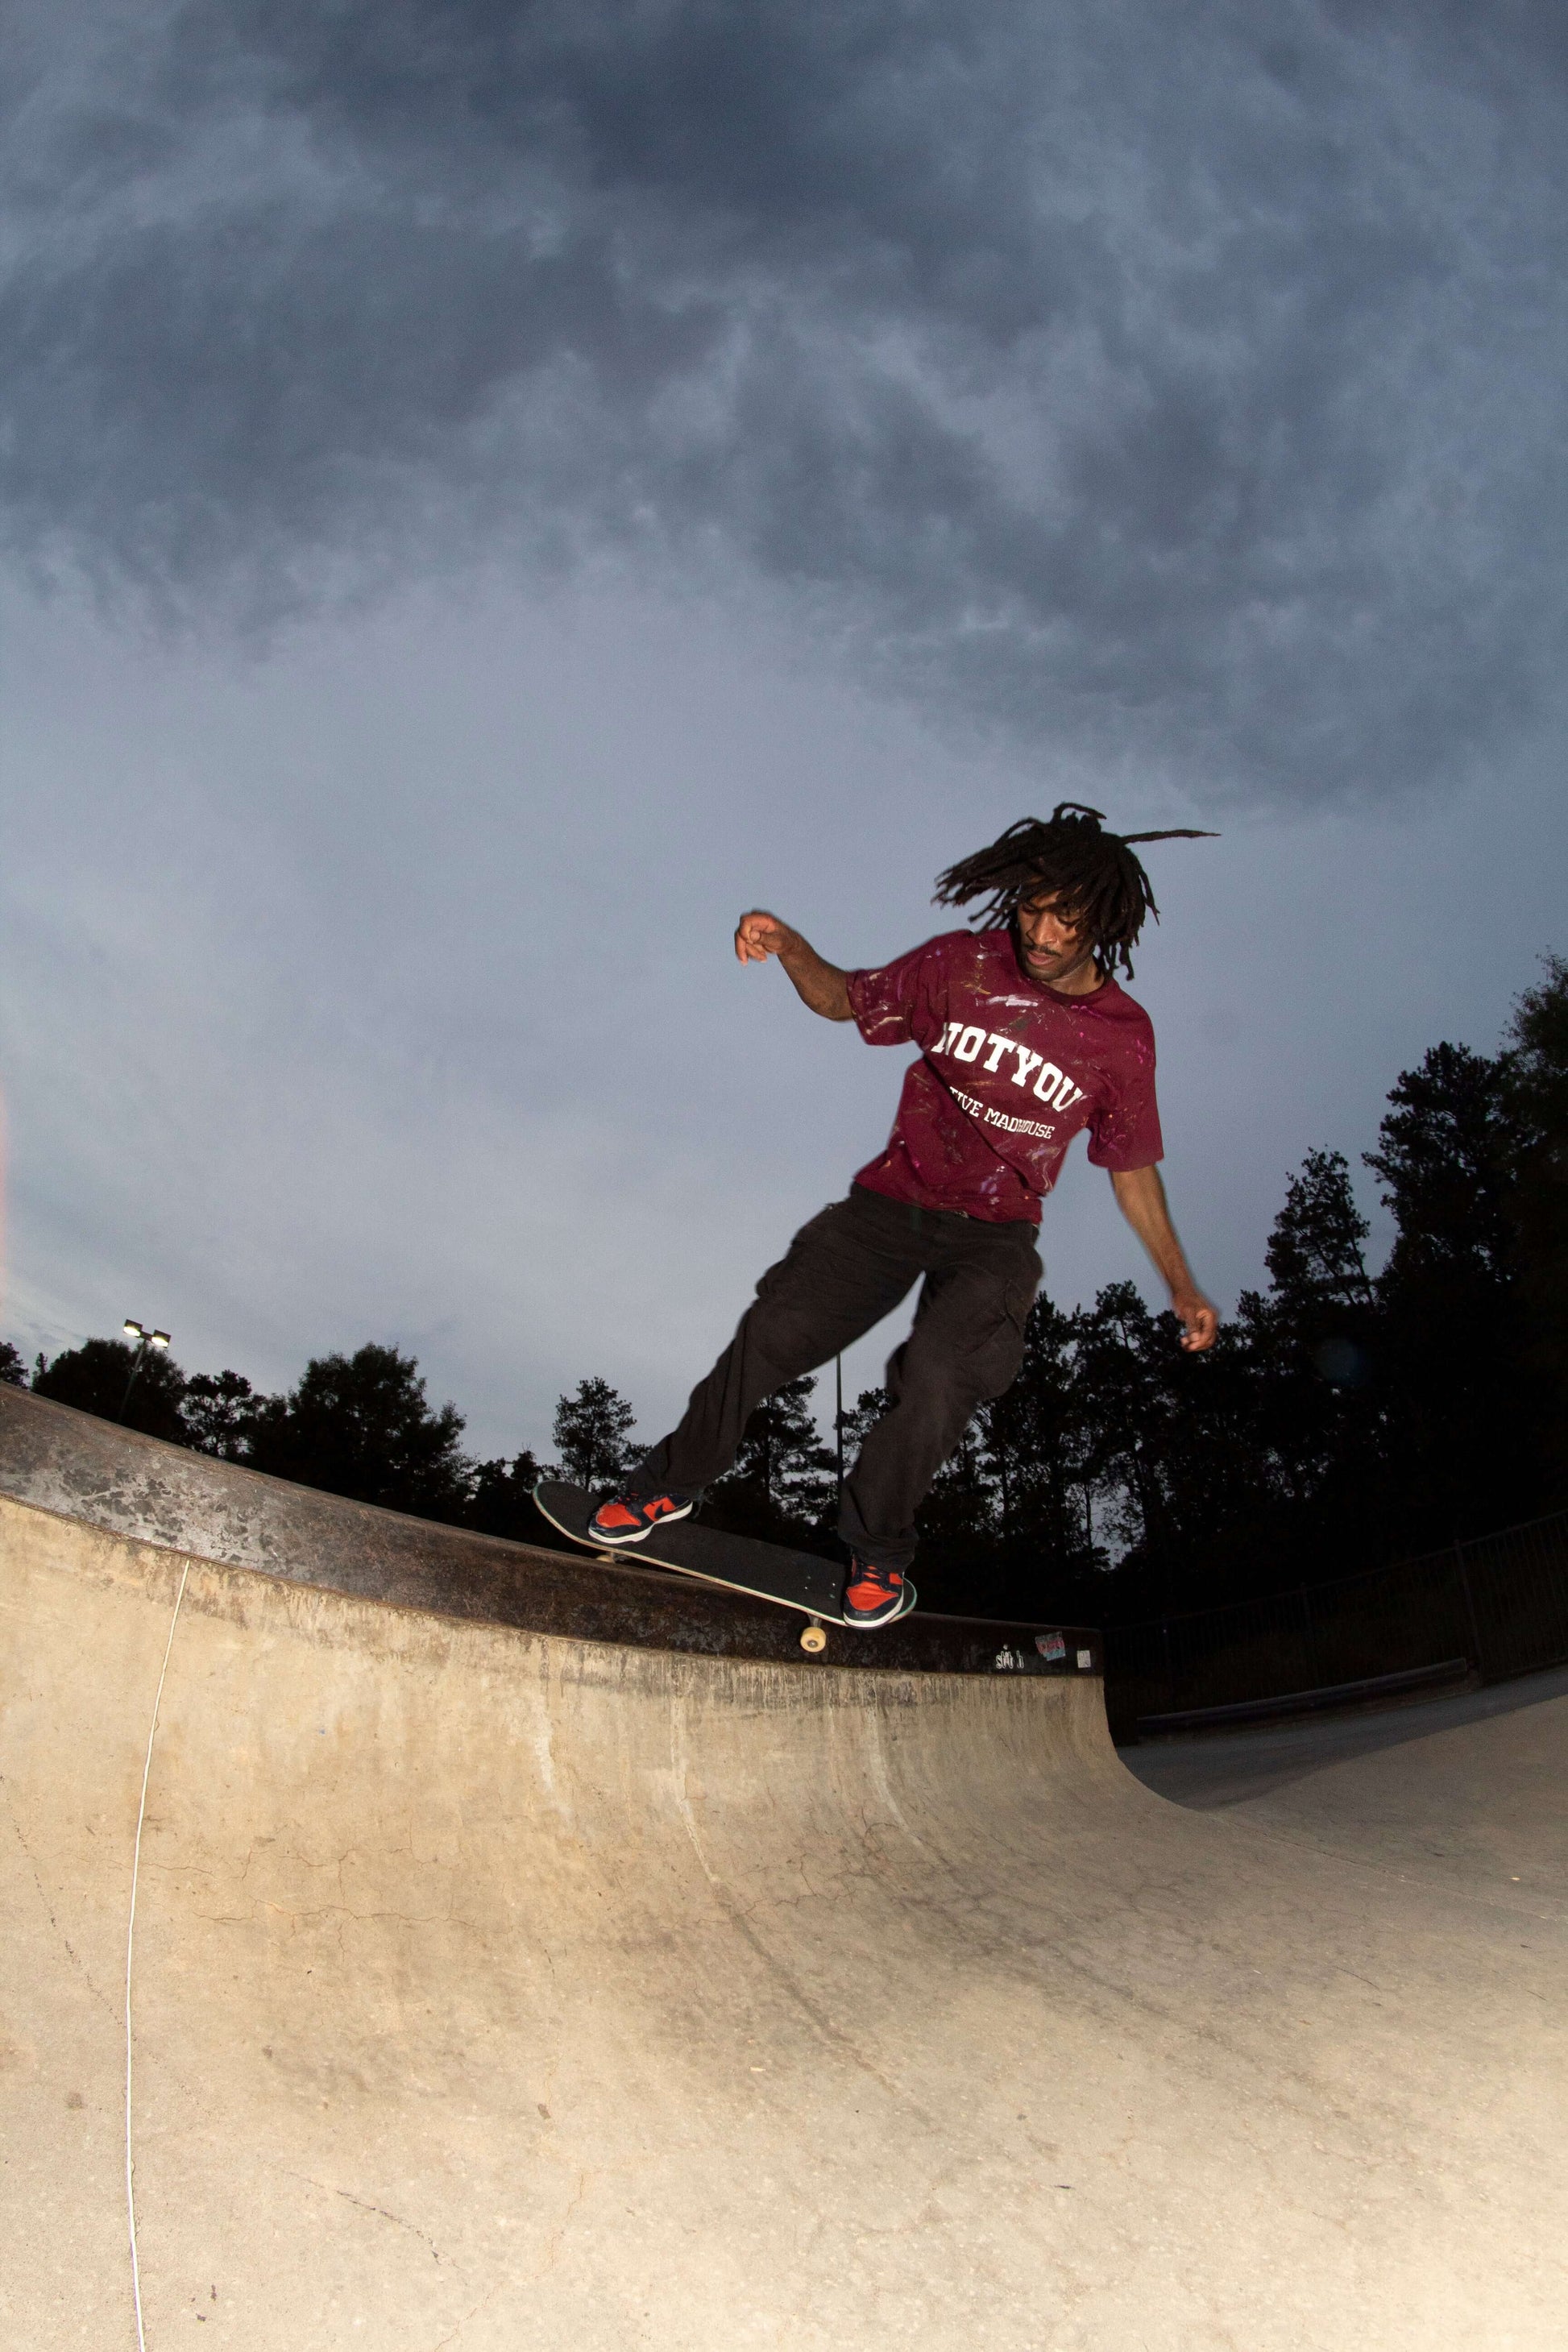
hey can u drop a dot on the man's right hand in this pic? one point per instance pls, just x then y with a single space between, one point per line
759 935
819 985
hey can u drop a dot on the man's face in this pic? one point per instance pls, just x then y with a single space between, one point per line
1053 950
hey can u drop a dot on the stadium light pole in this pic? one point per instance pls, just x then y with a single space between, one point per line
144 1339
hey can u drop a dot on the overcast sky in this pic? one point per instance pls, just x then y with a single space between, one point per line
491 491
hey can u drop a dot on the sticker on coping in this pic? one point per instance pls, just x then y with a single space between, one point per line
1051 1645
1085 1660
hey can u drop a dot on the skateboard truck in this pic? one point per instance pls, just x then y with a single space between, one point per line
813 1640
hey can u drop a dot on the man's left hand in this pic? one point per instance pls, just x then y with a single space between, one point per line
1141 1197
1200 1322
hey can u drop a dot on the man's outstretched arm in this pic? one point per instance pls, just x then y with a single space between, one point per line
1141 1197
818 983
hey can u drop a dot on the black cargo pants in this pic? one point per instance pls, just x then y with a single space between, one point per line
844 1271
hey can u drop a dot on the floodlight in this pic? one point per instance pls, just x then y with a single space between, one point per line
159 1338
132 1330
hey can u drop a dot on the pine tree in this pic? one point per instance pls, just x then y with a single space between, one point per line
1447 1157
1316 1255
501 1500
1033 1444
958 1565
784 1482
1124 1389
868 1407
590 1430
1168 1448
1309 1345
1462 1427
1535 1081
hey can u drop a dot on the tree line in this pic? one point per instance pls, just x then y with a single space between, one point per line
1344 1417
360 1424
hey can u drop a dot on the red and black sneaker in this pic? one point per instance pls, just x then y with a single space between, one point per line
631 1519
875 1596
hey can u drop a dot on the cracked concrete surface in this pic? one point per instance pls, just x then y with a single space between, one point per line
496 1987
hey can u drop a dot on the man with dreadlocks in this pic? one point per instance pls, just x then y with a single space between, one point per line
1025 1037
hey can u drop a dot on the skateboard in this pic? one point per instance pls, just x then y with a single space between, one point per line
793 1579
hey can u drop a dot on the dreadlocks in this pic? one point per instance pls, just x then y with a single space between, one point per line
1092 874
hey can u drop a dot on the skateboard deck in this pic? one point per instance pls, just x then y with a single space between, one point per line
792 1579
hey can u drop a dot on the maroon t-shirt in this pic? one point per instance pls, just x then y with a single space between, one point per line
1008 1073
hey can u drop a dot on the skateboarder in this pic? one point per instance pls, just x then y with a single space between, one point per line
1025 1037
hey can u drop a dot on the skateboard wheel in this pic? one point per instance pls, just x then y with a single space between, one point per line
813 1640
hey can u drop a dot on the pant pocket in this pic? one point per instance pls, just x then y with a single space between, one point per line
997 1349
807 1255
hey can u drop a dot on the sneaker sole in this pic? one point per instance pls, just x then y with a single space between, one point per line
907 1598
641 1535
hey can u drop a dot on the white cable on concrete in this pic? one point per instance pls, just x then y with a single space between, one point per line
130 1947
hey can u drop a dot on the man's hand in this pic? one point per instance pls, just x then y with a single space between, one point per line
1200 1323
820 984
1141 1197
760 935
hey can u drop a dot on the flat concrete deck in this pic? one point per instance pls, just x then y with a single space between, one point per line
494 1988
1465 1791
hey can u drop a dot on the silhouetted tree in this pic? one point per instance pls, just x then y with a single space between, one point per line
218 1413
1535 1080
868 1407
1446 1157
1308 1348
1451 1339
360 1425
1007 1527
1033 1444
96 1377
590 1430
957 1559
784 1482
1122 1368
501 1502
13 1370
1316 1254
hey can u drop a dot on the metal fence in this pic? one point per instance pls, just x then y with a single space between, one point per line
1499 1601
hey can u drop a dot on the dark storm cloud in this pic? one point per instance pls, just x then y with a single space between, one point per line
1181 383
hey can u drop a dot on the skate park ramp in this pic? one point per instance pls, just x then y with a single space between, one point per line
496 1986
